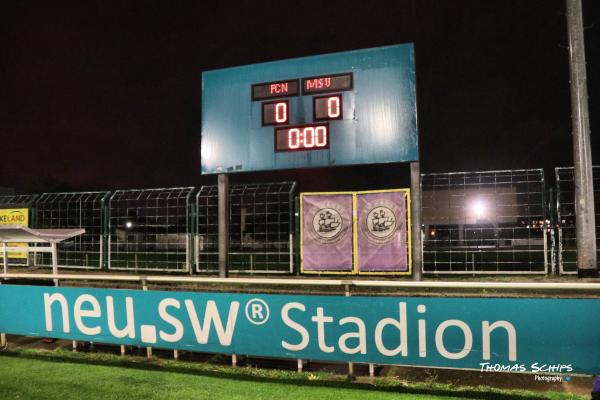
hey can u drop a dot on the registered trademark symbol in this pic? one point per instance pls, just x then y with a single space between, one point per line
257 311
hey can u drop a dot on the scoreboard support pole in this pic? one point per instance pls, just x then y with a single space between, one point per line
415 211
587 266
223 189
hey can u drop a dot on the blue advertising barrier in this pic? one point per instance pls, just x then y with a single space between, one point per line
487 334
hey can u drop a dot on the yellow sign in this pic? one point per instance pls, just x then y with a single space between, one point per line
15 216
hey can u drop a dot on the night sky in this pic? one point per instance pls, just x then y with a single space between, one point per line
102 95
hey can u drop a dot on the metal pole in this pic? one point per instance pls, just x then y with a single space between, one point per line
54 262
582 153
351 371
148 349
5 263
223 188
4 257
415 214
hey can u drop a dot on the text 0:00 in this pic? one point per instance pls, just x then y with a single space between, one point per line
308 137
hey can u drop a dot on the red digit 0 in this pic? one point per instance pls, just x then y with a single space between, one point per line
309 137
333 107
281 112
294 138
321 136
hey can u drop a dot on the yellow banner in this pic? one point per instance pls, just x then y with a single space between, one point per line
15 216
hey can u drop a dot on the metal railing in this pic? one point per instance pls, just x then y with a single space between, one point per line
492 222
150 229
344 283
74 210
18 201
565 217
260 230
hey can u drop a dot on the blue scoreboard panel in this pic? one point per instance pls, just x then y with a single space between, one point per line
347 108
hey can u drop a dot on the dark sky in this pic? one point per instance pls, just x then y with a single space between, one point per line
103 95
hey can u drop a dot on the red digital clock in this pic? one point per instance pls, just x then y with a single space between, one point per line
302 137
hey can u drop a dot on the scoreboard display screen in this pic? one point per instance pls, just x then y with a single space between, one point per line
348 108
271 90
276 112
327 83
302 138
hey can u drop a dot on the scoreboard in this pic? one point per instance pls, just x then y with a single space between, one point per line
347 108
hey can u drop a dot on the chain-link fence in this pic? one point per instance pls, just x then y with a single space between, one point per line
565 215
260 238
495 222
74 210
492 222
150 229
18 201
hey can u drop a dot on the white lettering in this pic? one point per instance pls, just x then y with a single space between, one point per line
511 333
129 329
422 332
168 318
212 313
360 335
320 319
257 311
295 326
79 314
64 308
439 339
401 326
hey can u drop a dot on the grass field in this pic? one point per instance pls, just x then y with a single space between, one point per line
59 374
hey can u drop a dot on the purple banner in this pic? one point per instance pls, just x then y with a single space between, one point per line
382 232
327 232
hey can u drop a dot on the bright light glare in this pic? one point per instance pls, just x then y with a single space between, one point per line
128 224
478 208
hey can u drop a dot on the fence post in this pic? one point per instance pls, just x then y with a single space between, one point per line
3 335
4 258
350 365
582 152
223 212
145 288
415 211
54 261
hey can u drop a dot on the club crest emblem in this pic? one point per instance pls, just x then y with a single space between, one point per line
380 224
328 225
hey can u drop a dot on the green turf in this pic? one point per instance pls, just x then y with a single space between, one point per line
30 374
